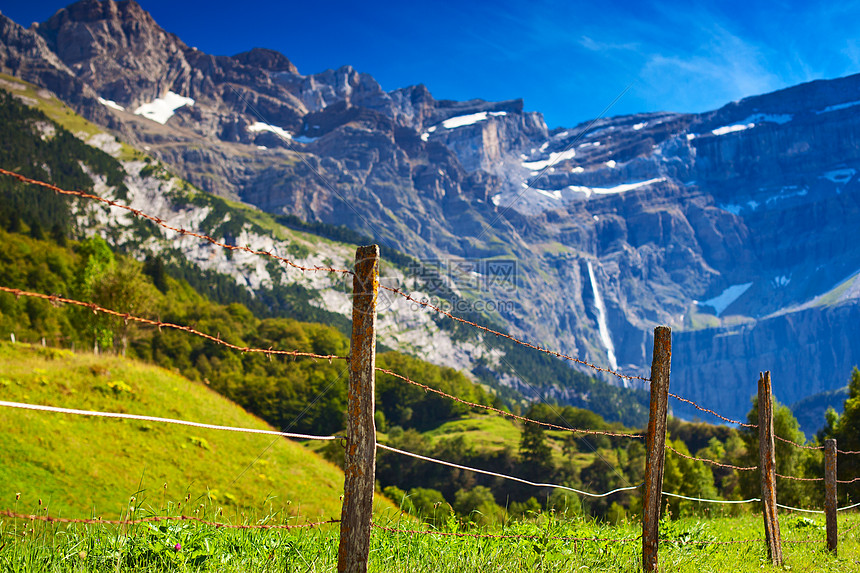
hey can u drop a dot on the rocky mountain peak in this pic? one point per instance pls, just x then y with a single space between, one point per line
266 59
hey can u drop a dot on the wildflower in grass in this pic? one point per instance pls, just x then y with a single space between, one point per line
177 547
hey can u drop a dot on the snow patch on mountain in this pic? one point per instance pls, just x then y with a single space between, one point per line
259 126
554 157
471 119
837 107
723 300
732 128
589 191
111 104
839 176
163 108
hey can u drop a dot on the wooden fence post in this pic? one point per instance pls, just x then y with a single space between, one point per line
655 445
360 466
830 494
767 465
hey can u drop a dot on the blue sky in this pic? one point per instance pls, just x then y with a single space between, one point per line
566 59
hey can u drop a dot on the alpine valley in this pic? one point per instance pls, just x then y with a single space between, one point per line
735 227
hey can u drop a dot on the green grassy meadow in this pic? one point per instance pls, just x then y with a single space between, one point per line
543 543
80 466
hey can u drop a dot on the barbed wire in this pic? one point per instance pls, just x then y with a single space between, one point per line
848 452
160 222
181 231
435 308
157 518
794 478
850 529
712 462
709 411
796 445
143 418
503 476
499 536
159 324
502 412
847 481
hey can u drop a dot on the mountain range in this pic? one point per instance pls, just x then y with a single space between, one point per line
735 227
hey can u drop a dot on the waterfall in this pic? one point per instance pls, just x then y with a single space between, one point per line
603 328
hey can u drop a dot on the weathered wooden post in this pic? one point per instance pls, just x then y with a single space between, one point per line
830 494
655 445
767 465
360 466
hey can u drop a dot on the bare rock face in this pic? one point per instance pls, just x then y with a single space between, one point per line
735 227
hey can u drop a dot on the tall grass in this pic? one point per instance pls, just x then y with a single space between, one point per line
27 545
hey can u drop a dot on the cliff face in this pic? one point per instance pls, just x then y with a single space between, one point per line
805 351
735 227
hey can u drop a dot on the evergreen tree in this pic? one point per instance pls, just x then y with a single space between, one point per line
535 453
846 430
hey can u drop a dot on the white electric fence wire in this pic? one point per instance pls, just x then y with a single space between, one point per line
848 507
798 509
711 500
164 420
503 476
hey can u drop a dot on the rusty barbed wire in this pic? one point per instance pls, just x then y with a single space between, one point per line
499 536
712 462
787 441
159 324
710 542
502 412
160 222
794 478
729 420
435 308
850 529
848 452
847 481
156 518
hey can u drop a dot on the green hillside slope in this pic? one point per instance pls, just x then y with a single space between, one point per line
81 466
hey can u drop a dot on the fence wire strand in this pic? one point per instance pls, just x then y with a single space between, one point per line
712 462
709 411
160 222
502 412
503 476
796 445
720 501
159 324
498 536
435 308
157 518
794 478
57 410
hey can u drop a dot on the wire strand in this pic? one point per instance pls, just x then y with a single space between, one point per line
712 462
709 411
494 474
157 323
58 410
729 501
496 536
435 308
160 222
502 412
156 518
